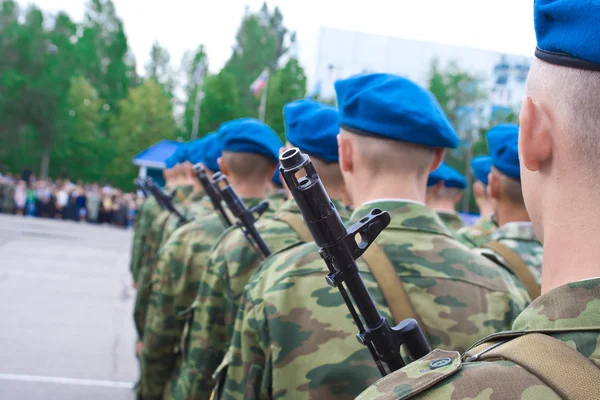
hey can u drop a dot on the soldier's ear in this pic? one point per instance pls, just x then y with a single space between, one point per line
535 139
223 166
494 186
345 151
438 157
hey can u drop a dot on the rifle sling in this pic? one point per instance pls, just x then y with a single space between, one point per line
295 222
518 266
570 374
392 288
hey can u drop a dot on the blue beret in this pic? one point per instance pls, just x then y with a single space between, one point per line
568 32
180 155
503 142
313 128
249 135
213 148
451 177
195 151
481 167
395 108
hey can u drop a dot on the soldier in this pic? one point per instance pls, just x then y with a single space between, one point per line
444 191
189 200
552 349
514 243
313 127
250 155
478 234
148 212
293 335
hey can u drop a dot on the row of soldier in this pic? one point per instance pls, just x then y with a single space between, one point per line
216 316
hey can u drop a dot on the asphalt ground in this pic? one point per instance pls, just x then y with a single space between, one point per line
66 330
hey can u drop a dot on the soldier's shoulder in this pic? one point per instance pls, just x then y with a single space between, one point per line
442 375
290 262
416 377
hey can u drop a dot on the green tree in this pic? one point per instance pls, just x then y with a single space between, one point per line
103 53
455 88
84 148
189 66
145 117
261 40
287 84
36 81
220 103
158 67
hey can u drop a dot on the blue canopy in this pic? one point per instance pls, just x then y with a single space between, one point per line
155 155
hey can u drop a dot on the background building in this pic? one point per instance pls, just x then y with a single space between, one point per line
341 53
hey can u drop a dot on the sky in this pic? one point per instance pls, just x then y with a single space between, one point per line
180 25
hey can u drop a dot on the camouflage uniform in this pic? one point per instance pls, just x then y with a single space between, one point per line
294 336
192 206
478 234
520 237
452 221
570 313
230 266
149 210
181 262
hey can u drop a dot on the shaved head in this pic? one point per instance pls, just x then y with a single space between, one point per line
386 156
573 96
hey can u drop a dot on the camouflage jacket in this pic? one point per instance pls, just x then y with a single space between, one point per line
294 336
230 266
520 237
193 206
570 313
452 221
149 210
181 262
478 234
156 227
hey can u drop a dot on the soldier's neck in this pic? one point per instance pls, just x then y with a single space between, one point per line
364 190
506 213
570 233
248 190
446 206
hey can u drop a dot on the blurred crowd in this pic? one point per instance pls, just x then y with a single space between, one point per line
63 199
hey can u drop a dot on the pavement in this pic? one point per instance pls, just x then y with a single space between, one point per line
66 330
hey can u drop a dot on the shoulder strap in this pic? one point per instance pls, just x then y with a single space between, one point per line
296 223
518 266
546 358
392 288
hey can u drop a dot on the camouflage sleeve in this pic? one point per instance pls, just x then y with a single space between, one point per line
229 268
138 240
164 327
248 374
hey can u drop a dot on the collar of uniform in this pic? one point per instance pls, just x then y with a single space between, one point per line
574 306
516 231
449 216
289 206
182 192
406 214
196 195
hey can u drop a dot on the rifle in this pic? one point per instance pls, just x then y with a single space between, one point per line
164 200
141 185
212 191
339 249
245 217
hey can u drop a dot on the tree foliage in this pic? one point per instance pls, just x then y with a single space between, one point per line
287 84
261 41
72 103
